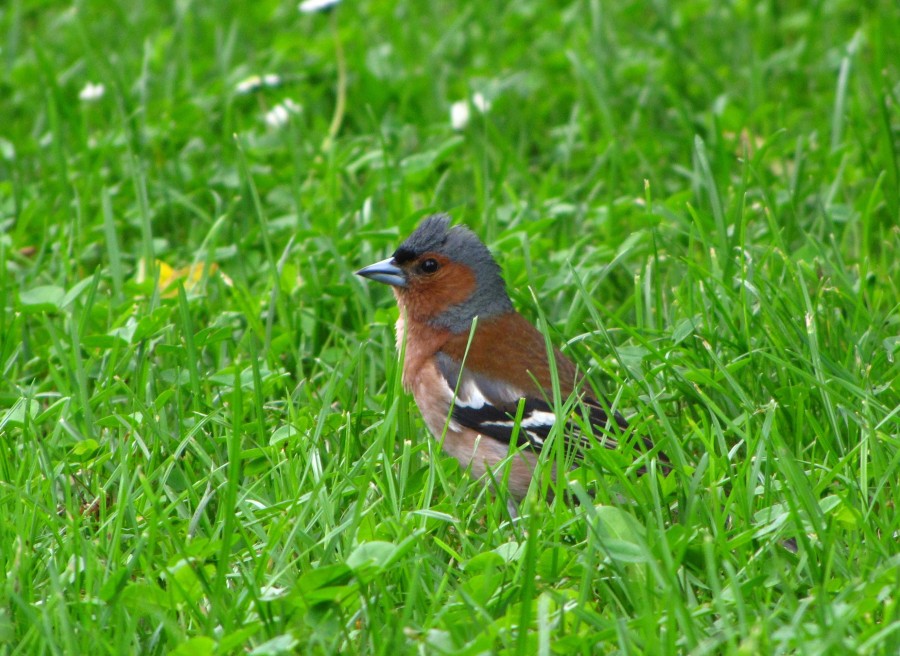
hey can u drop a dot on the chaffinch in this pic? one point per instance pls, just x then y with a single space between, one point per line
468 388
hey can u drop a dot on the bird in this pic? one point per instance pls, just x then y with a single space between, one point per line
478 370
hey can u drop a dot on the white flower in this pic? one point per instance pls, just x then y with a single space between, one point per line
480 103
460 113
281 113
312 6
256 82
92 92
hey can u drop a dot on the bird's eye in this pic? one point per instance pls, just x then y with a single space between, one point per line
429 266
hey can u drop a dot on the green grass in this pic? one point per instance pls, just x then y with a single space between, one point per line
700 201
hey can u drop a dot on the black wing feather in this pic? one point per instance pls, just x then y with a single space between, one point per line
493 412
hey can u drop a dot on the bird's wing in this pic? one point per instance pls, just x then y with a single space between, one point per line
489 407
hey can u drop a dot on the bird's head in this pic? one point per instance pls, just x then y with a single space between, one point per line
443 276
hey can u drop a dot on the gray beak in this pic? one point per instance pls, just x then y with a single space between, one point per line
385 271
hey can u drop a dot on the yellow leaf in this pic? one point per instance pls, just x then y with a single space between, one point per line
190 276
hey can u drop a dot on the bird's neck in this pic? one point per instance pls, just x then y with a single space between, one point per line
418 342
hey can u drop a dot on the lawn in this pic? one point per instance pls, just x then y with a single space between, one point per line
205 447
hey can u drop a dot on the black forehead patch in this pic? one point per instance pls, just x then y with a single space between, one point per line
403 255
